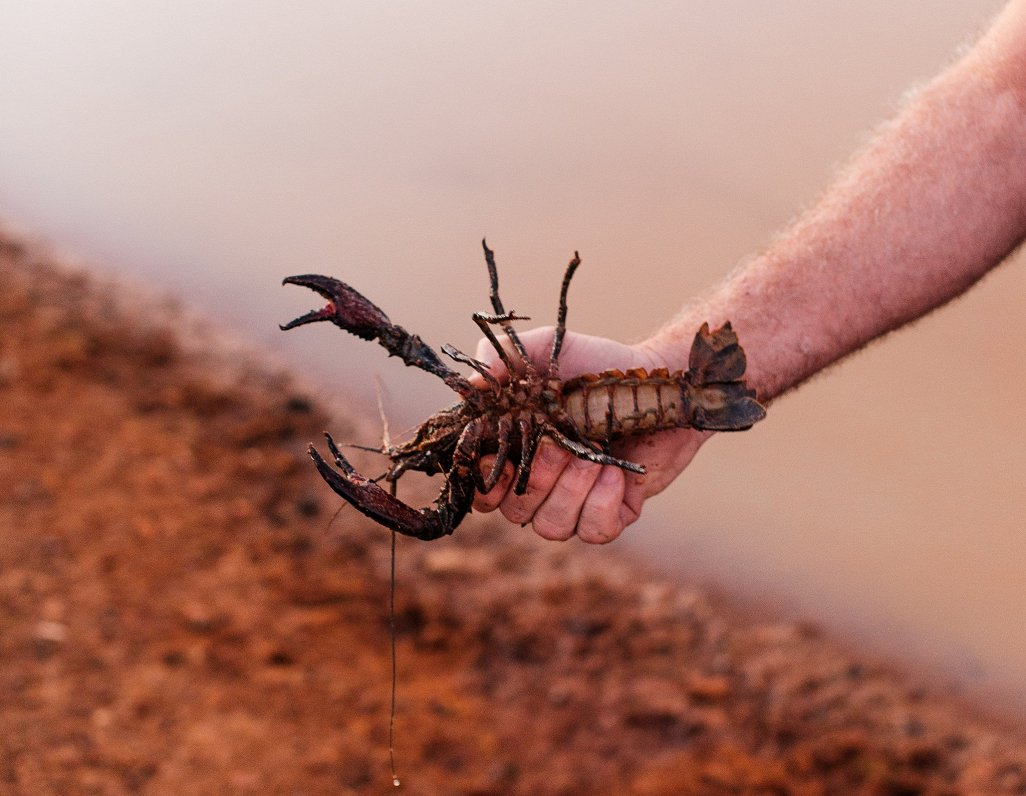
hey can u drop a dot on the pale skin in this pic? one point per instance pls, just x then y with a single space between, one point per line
936 201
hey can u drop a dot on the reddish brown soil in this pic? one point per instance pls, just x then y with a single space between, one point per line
179 615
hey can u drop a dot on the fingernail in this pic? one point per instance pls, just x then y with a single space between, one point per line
609 476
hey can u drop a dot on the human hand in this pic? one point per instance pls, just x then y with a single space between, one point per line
566 495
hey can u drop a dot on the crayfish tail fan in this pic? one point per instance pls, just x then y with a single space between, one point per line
718 398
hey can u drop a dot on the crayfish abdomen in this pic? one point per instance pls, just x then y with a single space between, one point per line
583 415
709 395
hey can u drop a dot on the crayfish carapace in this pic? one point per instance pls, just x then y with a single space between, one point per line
583 415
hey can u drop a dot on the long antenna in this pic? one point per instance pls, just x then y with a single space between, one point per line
391 712
386 440
391 622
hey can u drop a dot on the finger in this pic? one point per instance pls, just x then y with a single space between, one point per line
557 517
628 515
486 353
634 496
549 461
601 519
490 501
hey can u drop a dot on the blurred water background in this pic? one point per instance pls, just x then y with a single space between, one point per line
209 149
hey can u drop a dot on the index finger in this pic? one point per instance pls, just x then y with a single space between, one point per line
490 500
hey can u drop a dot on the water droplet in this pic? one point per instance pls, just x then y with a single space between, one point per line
395 781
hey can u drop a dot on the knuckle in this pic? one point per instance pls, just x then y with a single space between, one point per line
580 475
576 481
604 499
537 488
579 465
516 511
602 517
599 528
566 492
551 456
596 536
487 502
554 532
628 515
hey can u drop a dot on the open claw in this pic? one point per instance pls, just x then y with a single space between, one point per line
347 308
373 501
350 310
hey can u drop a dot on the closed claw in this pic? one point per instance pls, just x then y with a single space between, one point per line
373 501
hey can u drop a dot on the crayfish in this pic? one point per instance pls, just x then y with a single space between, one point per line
583 415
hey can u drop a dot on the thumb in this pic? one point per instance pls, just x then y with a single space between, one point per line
537 343
486 353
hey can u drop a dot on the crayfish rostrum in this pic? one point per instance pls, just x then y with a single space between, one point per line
583 415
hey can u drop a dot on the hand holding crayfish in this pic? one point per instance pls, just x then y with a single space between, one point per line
567 496
510 418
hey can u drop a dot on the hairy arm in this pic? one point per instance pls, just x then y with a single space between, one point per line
932 204
916 218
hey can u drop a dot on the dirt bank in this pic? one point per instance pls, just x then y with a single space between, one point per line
179 613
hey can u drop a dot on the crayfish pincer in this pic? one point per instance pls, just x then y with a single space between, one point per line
583 415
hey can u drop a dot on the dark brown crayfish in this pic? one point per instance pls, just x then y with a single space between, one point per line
583 415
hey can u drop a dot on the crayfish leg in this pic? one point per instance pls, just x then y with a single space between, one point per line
483 321
560 333
487 483
584 452
500 310
480 367
528 443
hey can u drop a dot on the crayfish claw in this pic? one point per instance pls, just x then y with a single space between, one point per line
371 500
353 312
347 308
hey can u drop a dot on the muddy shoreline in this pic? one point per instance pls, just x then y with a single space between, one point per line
180 612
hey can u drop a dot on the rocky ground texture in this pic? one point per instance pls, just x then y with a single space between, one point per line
180 613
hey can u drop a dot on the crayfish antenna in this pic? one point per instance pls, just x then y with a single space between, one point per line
357 446
386 441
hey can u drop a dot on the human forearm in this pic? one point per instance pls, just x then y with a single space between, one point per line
930 206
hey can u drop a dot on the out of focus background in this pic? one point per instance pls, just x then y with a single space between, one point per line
208 150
